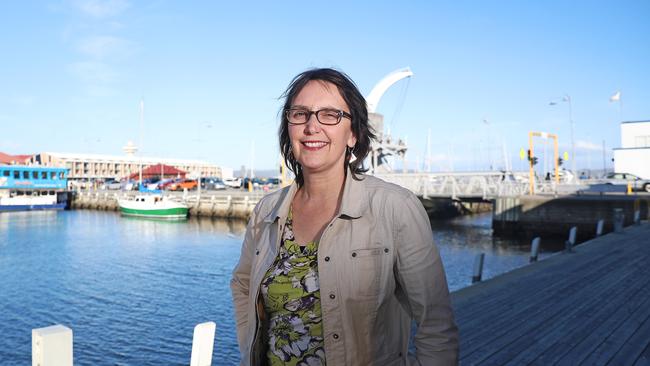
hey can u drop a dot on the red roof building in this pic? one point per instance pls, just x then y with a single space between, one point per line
159 170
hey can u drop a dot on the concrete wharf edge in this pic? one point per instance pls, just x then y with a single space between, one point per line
231 204
591 307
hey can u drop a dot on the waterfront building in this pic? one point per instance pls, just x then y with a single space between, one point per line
100 167
13 159
634 154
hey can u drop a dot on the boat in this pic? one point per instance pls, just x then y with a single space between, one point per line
153 206
26 187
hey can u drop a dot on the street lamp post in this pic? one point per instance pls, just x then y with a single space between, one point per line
567 98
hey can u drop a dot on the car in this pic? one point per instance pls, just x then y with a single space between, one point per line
623 179
565 176
232 182
166 183
212 183
183 184
112 184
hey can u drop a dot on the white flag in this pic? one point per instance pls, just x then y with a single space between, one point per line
616 97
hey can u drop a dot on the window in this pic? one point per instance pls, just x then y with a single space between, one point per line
43 175
642 141
52 175
5 173
61 175
34 175
25 174
16 174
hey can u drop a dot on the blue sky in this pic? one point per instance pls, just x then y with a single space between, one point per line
72 74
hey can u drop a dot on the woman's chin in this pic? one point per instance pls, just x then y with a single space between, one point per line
312 167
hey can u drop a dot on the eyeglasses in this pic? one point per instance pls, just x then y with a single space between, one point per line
327 116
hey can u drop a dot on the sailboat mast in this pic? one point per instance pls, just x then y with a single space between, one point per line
141 134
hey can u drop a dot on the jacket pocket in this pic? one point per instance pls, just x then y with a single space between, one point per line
367 269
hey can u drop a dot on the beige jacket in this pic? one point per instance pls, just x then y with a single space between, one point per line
378 269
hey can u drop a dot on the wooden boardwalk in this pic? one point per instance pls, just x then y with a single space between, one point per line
589 307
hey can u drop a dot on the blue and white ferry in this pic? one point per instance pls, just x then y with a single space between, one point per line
32 188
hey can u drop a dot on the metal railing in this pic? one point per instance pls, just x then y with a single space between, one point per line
474 185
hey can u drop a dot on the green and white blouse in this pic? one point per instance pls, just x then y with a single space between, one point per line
291 294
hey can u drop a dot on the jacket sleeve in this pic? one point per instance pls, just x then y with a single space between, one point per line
421 276
239 284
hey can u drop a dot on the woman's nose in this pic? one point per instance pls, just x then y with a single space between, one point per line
312 126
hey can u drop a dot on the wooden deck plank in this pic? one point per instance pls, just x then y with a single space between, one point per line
546 281
530 279
578 322
633 350
590 303
577 346
517 322
625 332
527 284
644 359
524 331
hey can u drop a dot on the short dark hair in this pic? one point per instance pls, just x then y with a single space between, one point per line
358 109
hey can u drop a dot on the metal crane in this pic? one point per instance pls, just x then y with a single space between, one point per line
384 146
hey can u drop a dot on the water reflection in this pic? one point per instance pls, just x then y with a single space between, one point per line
132 289
461 239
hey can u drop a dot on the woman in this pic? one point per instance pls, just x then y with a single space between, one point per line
335 267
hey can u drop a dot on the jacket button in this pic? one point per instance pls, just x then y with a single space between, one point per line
385 250
257 252
327 259
335 336
354 254
332 296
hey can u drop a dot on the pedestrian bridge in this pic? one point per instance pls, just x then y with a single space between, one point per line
473 186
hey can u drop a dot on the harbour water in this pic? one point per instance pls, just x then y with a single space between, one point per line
133 289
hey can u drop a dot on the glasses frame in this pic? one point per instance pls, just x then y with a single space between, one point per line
340 113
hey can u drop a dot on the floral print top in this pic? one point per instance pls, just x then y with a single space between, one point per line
291 294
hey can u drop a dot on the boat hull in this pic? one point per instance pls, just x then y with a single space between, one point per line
166 213
153 206
36 207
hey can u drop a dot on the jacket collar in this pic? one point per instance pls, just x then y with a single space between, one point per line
281 208
353 202
355 198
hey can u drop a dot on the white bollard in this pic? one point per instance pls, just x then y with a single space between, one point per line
599 227
202 344
572 239
52 346
534 249
478 268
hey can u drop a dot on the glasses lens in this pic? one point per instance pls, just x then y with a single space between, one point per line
329 116
297 115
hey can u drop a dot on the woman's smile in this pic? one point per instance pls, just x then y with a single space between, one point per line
312 145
